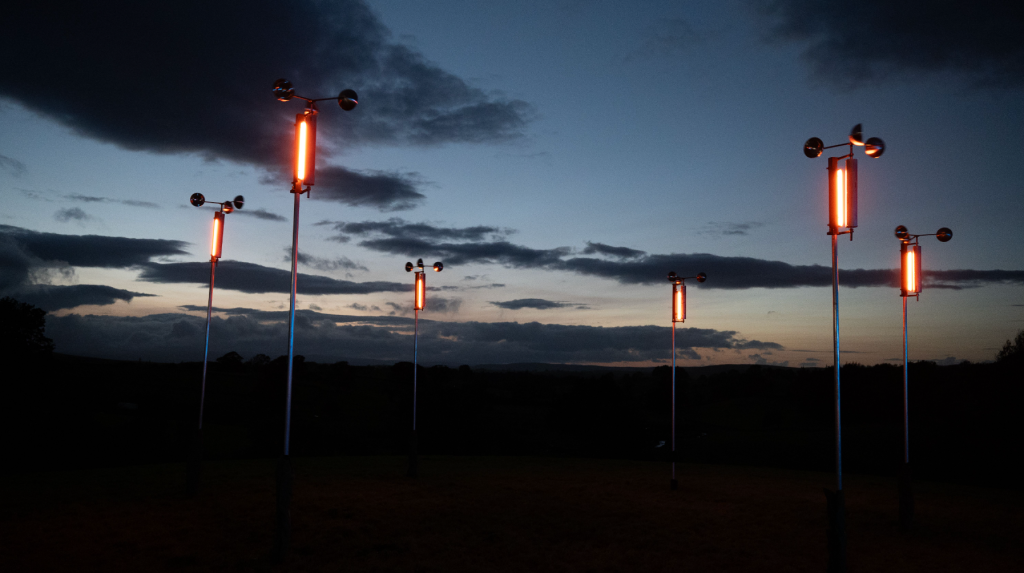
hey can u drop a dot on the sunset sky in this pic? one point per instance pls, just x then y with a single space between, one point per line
560 157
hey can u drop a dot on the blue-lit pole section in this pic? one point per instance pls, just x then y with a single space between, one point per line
842 219
910 286
303 179
193 470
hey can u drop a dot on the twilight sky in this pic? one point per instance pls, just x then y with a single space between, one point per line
560 157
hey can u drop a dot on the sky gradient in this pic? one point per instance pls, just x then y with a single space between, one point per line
559 157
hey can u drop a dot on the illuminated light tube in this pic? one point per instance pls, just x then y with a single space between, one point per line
842 196
305 149
300 161
421 288
678 302
911 269
217 244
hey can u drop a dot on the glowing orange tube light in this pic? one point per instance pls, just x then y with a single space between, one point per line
218 235
842 200
678 302
911 269
300 161
421 290
305 148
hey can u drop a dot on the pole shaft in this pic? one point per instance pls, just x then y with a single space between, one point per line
906 401
415 360
673 400
291 325
206 353
835 334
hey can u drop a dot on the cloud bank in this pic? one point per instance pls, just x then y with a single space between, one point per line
850 44
327 338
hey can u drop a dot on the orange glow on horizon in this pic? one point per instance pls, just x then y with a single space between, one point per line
421 287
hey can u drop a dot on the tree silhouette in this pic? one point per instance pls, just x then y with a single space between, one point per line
21 331
230 359
1012 350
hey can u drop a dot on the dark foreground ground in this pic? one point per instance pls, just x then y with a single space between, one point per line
494 514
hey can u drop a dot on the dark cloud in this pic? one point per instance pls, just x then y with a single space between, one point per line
722 228
88 250
52 297
194 77
620 252
12 166
327 338
723 272
128 202
261 213
65 215
634 267
399 228
253 278
537 303
666 38
497 252
383 190
324 264
849 44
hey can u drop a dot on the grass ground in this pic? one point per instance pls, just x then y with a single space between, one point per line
494 514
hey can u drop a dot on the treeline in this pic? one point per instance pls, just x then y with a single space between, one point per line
76 412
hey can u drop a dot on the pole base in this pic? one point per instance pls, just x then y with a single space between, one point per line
673 484
836 531
283 519
194 467
906 497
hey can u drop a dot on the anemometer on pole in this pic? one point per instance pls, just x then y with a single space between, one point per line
216 248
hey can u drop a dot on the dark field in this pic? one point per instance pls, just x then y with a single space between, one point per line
494 514
519 471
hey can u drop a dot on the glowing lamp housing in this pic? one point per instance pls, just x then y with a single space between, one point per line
910 267
305 149
678 302
421 290
842 193
217 243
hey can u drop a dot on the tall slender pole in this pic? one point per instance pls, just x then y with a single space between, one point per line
415 361
291 324
906 419
673 484
905 481
206 353
413 458
836 501
194 467
835 335
284 470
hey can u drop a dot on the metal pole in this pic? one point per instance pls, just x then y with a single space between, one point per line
673 484
291 326
835 334
413 459
194 467
415 361
206 353
905 481
836 506
284 470
906 419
